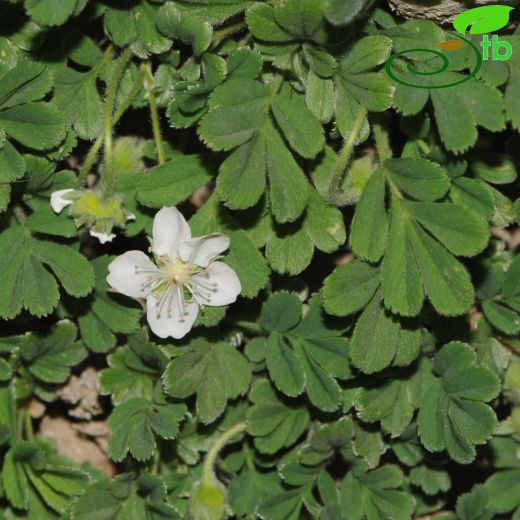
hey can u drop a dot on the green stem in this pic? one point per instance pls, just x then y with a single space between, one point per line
229 30
28 426
156 125
94 149
382 140
249 326
425 149
20 416
109 115
208 475
336 196
249 458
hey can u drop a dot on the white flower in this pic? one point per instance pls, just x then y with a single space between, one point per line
184 277
60 201
90 209
102 237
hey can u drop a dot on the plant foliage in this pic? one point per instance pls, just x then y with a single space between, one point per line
370 368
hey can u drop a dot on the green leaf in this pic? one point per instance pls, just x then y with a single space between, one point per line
319 97
274 423
372 90
241 180
72 269
262 24
320 62
24 83
392 402
76 95
349 288
50 357
503 491
301 18
133 370
50 12
285 369
378 338
288 185
173 182
16 486
135 423
373 493
215 373
289 248
370 225
473 195
190 29
419 178
474 505
341 12
453 414
12 167
281 312
322 389
501 317
446 282
36 125
237 109
244 63
402 294
52 479
152 41
323 224
431 479
28 284
494 168
126 496
462 231
298 125
310 356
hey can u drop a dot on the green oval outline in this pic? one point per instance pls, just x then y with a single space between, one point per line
473 73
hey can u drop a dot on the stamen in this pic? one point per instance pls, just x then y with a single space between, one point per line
182 303
195 296
171 294
161 301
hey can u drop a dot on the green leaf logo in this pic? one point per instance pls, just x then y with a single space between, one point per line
483 19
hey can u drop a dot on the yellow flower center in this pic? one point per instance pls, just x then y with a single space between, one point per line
177 272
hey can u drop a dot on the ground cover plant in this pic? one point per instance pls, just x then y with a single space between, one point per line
246 274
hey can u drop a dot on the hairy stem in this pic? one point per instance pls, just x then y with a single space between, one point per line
211 456
156 125
121 64
382 140
94 149
336 196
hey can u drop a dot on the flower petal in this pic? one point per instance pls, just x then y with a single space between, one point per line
217 285
102 237
169 230
177 324
125 278
202 250
57 200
